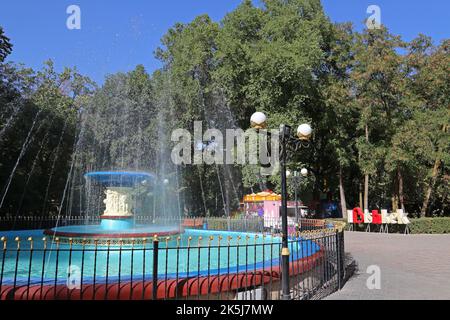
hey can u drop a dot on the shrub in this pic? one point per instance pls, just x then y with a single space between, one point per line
430 226
417 226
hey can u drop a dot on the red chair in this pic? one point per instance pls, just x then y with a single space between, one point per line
358 216
376 217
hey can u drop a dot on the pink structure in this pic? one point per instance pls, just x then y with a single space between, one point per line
267 204
272 214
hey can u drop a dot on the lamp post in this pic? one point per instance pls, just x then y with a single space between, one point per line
287 143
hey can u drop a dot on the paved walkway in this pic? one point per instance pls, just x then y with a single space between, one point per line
412 267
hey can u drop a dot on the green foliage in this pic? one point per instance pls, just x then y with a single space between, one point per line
120 124
430 226
268 56
37 132
5 45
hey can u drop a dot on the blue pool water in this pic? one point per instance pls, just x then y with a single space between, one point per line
175 260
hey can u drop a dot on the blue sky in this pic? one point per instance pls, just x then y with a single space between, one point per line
118 35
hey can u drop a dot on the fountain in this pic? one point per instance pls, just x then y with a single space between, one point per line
118 219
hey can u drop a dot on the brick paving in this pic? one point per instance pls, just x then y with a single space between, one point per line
413 267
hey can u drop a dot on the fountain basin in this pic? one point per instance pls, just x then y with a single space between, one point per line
91 233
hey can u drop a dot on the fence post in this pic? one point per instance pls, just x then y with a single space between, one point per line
3 240
155 267
339 256
343 269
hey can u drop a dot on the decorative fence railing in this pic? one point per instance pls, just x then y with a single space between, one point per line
199 264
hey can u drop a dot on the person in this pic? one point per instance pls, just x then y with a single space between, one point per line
261 212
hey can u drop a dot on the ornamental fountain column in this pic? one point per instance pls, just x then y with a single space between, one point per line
119 208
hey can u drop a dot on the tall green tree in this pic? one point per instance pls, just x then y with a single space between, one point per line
381 95
341 115
428 140
5 45
38 136
269 59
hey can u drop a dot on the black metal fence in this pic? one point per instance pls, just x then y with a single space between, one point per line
201 264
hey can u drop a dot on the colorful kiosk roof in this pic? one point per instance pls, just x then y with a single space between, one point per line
262 196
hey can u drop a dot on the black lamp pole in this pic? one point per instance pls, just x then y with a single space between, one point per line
286 294
258 121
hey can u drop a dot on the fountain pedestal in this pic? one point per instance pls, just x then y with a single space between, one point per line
119 209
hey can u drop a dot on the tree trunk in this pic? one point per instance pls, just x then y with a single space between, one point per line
394 201
342 194
366 179
401 196
434 174
426 201
360 196
360 187
203 191
366 192
226 184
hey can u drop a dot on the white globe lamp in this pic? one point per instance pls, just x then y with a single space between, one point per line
304 132
258 120
304 172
